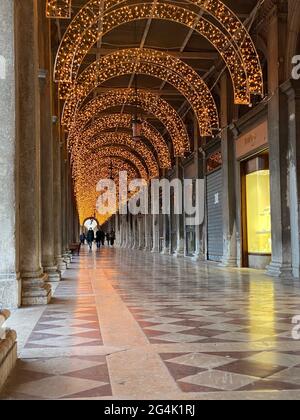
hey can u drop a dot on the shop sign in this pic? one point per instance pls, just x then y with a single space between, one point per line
252 141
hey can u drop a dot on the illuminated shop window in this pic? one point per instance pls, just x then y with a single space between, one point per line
259 212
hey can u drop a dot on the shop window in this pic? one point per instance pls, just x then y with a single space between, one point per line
258 212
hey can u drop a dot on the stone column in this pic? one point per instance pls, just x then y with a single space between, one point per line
292 90
134 243
148 227
121 232
180 218
64 191
141 224
199 160
47 163
9 208
166 229
118 229
124 231
156 234
57 191
228 169
278 144
35 290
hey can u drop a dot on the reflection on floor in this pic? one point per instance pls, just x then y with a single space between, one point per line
132 325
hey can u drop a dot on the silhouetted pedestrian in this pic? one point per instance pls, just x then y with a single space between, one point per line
90 238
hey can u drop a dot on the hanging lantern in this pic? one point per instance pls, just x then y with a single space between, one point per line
136 128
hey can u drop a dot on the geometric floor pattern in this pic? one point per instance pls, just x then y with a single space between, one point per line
59 378
132 325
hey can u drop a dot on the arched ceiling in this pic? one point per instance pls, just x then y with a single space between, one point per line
177 49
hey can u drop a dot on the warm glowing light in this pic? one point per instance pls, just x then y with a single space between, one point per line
90 149
146 100
232 41
58 9
85 191
153 63
114 121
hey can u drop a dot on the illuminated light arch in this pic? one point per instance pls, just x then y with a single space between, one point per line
123 153
123 140
235 44
58 9
146 100
153 63
112 121
85 190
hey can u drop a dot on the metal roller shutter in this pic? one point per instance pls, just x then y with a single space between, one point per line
214 216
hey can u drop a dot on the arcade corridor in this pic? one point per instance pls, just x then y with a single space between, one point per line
142 332
166 133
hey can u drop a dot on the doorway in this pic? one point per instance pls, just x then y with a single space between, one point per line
256 209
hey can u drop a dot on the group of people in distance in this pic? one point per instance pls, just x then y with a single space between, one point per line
100 238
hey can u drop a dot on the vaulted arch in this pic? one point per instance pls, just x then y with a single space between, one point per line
233 41
124 141
146 100
113 121
152 63
85 186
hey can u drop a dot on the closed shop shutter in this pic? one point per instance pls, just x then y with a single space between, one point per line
214 216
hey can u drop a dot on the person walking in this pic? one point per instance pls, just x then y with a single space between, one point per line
107 239
90 238
102 237
82 239
98 239
112 237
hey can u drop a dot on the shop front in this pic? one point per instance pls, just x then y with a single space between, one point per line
214 199
253 155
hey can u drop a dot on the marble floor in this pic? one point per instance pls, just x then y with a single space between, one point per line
132 325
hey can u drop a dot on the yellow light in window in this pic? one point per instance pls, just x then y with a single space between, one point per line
259 212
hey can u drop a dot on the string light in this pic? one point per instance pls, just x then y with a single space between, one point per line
153 63
87 172
58 9
124 140
148 101
85 192
92 149
241 60
113 121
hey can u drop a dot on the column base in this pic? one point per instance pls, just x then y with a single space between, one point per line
179 252
8 349
67 260
53 274
197 257
279 270
35 290
165 251
61 265
10 291
155 250
228 263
